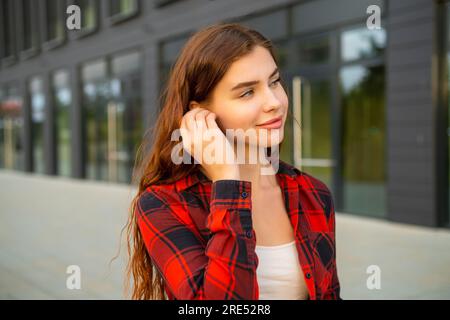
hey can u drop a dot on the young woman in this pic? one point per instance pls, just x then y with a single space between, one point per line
224 230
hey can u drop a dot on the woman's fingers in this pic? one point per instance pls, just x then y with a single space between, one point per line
184 132
211 121
190 118
194 124
200 119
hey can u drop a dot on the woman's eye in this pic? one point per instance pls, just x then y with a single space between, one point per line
276 81
245 93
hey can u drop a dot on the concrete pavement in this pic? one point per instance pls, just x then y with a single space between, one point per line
47 224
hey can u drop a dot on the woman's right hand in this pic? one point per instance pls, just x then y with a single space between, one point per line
193 126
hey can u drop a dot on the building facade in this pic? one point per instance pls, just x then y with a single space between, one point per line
370 107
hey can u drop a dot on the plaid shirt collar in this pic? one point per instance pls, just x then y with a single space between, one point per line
284 169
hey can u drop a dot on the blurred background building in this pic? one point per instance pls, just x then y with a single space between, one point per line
374 109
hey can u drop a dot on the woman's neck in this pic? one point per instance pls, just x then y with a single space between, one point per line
259 172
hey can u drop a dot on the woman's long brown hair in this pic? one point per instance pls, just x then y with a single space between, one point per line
202 63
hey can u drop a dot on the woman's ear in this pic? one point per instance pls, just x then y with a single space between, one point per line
193 104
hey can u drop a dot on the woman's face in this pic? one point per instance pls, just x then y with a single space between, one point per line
250 94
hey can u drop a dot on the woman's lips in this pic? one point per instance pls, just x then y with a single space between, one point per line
273 125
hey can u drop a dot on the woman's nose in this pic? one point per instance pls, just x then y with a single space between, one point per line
271 101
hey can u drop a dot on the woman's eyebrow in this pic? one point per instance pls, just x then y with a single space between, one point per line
250 83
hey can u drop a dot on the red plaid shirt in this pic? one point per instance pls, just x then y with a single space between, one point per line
200 238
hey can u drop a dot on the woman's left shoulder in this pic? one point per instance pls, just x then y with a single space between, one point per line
315 183
321 191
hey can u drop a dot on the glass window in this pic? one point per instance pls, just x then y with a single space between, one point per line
112 91
171 49
316 128
29 22
282 50
95 102
62 98
362 43
11 127
169 53
37 103
55 20
121 9
307 139
363 139
7 28
89 10
125 127
312 51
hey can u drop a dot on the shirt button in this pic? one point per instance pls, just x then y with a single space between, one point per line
308 275
244 194
249 234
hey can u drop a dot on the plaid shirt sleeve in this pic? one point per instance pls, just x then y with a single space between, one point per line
223 268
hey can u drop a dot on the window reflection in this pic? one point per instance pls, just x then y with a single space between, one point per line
314 50
362 43
54 17
113 116
122 7
363 139
11 126
7 27
62 99
95 101
169 53
316 129
89 10
37 102
125 115
29 20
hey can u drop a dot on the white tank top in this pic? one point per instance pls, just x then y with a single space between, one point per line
279 273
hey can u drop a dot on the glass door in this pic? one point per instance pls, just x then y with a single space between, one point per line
310 129
11 125
124 125
113 116
95 100
363 139
124 115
